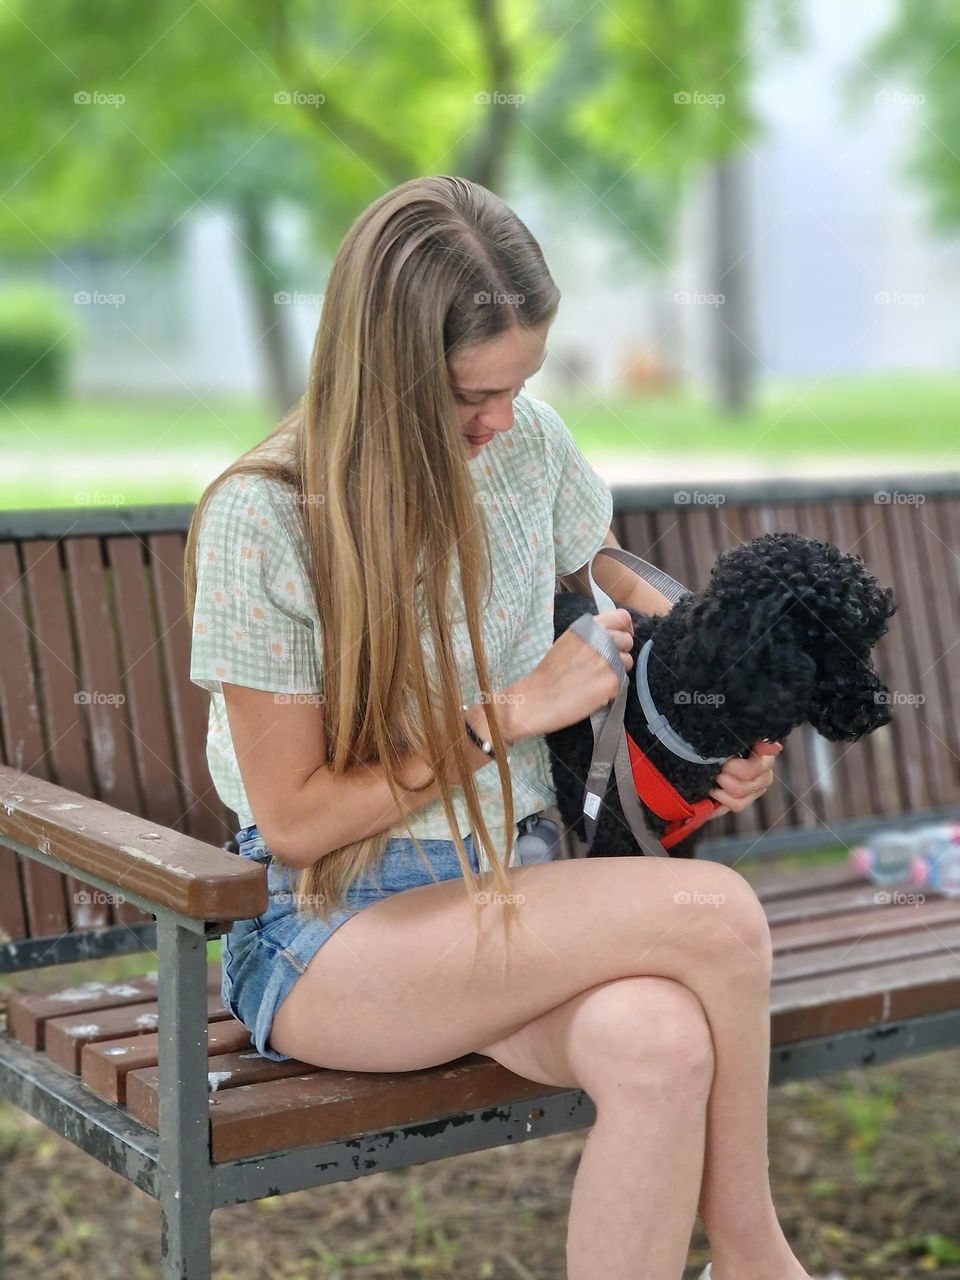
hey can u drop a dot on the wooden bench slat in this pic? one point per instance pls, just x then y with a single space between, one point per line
142 680
104 1064
44 892
28 1011
772 884
861 764
828 1004
226 1071
840 901
878 921
323 1106
205 817
891 662
64 1037
868 949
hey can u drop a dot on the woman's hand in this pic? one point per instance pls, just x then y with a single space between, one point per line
740 781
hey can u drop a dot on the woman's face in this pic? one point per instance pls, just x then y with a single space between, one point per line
487 377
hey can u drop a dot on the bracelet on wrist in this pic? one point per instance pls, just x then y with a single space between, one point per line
485 746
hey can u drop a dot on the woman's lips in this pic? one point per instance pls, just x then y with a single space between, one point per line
485 439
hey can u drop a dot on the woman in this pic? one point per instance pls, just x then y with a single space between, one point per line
372 613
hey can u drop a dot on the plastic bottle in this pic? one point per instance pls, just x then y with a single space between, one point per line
539 841
940 857
890 857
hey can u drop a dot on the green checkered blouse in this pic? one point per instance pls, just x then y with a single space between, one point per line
255 624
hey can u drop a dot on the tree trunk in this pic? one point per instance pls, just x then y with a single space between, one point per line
284 381
733 359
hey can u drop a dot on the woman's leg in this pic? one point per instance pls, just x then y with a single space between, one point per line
396 988
641 1048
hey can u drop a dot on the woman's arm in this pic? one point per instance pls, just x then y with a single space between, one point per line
620 583
302 810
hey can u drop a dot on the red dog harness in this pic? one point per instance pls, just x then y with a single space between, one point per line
665 800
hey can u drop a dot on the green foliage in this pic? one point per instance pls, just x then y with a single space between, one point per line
922 45
329 107
35 343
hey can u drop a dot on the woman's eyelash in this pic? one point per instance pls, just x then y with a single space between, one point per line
475 403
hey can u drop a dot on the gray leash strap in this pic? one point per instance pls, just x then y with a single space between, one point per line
610 743
610 750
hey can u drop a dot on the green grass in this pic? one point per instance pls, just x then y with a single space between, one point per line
122 452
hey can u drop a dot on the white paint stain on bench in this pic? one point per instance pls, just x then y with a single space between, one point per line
216 1078
74 994
147 1020
113 1053
59 808
87 1029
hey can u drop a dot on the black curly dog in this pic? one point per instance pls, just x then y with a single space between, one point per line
781 636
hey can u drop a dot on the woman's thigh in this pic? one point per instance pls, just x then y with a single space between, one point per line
406 983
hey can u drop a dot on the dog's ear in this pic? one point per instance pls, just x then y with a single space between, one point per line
742 672
850 699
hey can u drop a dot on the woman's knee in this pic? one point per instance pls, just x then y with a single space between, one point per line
735 934
646 1031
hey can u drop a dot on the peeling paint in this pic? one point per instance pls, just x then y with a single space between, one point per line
147 1020
43 844
88 1029
59 808
153 860
114 1053
123 989
216 1078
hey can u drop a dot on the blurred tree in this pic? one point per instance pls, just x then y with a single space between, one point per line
245 103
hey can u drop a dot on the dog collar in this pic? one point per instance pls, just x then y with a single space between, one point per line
658 724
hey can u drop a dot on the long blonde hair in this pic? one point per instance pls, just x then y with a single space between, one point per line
374 459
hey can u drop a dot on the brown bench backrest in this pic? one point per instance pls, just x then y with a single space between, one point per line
95 694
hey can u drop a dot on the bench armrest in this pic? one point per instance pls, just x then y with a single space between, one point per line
175 871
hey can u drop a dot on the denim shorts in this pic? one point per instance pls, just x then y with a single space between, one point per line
262 958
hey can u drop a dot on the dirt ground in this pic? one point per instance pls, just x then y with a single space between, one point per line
865 1169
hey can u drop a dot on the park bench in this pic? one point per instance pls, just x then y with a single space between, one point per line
112 841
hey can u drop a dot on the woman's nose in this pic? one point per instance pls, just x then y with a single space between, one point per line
497 417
